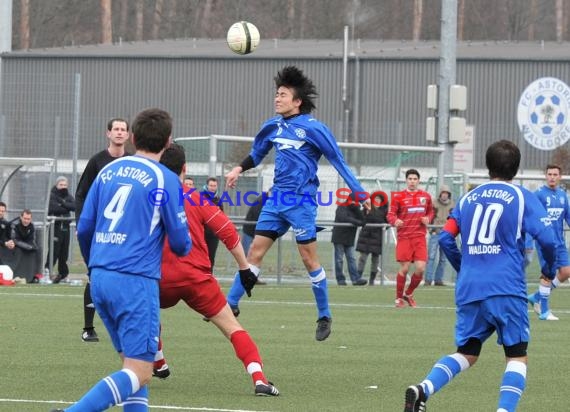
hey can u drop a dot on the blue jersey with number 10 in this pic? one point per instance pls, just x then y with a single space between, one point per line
492 220
130 205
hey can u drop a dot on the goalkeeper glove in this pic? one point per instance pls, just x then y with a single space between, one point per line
248 280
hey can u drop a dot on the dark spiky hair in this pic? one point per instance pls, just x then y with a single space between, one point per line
304 89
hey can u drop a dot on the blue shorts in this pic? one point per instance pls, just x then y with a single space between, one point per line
507 315
561 256
286 210
129 308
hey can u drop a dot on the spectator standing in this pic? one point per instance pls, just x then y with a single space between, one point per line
117 135
410 211
370 238
343 238
61 204
210 193
435 270
121 234
24 236
490 293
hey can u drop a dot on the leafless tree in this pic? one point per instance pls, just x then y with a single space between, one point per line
106 22
157 18
69 22
460 19
533 14
418 18
559 20
139 19
123 18
24 24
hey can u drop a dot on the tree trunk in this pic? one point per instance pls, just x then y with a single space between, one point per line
303 19
291 17
157 18
418 16
532 22
123 16
460 20
206 17
24 24
106 22
559 20
139 19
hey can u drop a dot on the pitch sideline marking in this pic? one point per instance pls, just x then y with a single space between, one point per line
173 408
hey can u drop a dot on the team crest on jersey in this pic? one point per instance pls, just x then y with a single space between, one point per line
423 200
301 134
543 113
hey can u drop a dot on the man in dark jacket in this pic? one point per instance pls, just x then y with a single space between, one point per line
370 238
343 240
61 204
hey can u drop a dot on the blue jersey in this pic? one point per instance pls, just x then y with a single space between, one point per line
556 203
299 143
130 205
492 220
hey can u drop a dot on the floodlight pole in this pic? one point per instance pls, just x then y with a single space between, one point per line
447 71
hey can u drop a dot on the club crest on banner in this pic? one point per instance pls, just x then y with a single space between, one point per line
543 115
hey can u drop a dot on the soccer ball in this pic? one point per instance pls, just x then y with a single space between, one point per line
243 37
547 114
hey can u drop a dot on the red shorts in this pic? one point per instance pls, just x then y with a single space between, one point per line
201 293
411 250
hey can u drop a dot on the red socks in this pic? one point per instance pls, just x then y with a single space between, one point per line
414 282
247 352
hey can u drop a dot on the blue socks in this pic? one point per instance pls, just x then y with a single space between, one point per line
236 291
321 292
513 385
137 402
318 284
109 391
443 372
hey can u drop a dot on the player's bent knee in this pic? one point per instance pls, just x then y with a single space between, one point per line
518 350
471 348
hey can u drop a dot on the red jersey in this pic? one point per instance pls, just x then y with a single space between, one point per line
410 207
178 271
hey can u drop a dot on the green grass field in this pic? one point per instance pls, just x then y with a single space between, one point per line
373 354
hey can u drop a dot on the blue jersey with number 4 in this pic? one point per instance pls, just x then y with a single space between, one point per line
492 220
131 204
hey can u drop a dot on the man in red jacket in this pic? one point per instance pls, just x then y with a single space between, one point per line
190 278
411 210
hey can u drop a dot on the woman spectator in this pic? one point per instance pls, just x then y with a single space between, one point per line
370 238
61 204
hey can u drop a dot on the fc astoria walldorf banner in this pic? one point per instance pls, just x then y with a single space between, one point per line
543 113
